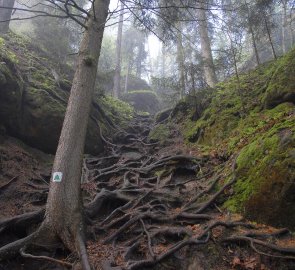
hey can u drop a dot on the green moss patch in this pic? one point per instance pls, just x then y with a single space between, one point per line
265 190
253 120
160 133
281 87
119 111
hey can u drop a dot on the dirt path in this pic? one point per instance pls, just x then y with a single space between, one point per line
152 207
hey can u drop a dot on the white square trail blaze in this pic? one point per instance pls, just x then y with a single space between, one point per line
57 177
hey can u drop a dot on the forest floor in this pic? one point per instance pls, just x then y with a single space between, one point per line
148 206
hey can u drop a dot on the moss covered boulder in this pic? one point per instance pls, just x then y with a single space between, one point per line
281 87
143 100
11 90
265 189
33 103
160 133
253 120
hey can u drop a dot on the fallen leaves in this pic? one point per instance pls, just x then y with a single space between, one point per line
251 263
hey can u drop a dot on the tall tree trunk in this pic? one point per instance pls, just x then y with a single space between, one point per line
193 80
254 44
117 77
291 28
127 76
63 215
180 61
206 52
270 39
139 60
233 51
251 30
284 22
5 14
163 66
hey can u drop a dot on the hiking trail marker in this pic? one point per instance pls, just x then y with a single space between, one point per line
57 177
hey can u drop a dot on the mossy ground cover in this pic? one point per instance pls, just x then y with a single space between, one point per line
252 121
160 133
119 111
266 173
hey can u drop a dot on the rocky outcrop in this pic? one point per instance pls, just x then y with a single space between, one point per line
281 87
143 100
253 128
33 103
265 190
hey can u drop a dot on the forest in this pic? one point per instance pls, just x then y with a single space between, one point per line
147 134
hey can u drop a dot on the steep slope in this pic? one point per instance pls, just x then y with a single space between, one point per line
34 94
253 123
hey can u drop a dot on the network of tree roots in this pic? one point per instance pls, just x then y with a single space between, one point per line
145 206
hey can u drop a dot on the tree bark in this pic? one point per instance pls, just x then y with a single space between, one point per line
180 61
284 22
63 216
139 60
270 39
127 76
254 44
5 14
206 52
117 77
163 66
251 30
233 51
193 80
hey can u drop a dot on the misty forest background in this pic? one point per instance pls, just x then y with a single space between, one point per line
163 44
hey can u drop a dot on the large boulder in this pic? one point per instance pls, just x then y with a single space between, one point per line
33 102
265 189
281 87
143 100
35 115
250 121
135 83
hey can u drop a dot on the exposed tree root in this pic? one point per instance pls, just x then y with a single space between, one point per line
27 255
21 222
149 207
12 249
3 187
269 246
82 251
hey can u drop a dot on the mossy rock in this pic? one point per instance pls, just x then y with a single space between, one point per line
281 87
181 108
11 90
163 115
143 100
135 83
265 189
254 120
214 117
41 120
33 103
160 133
